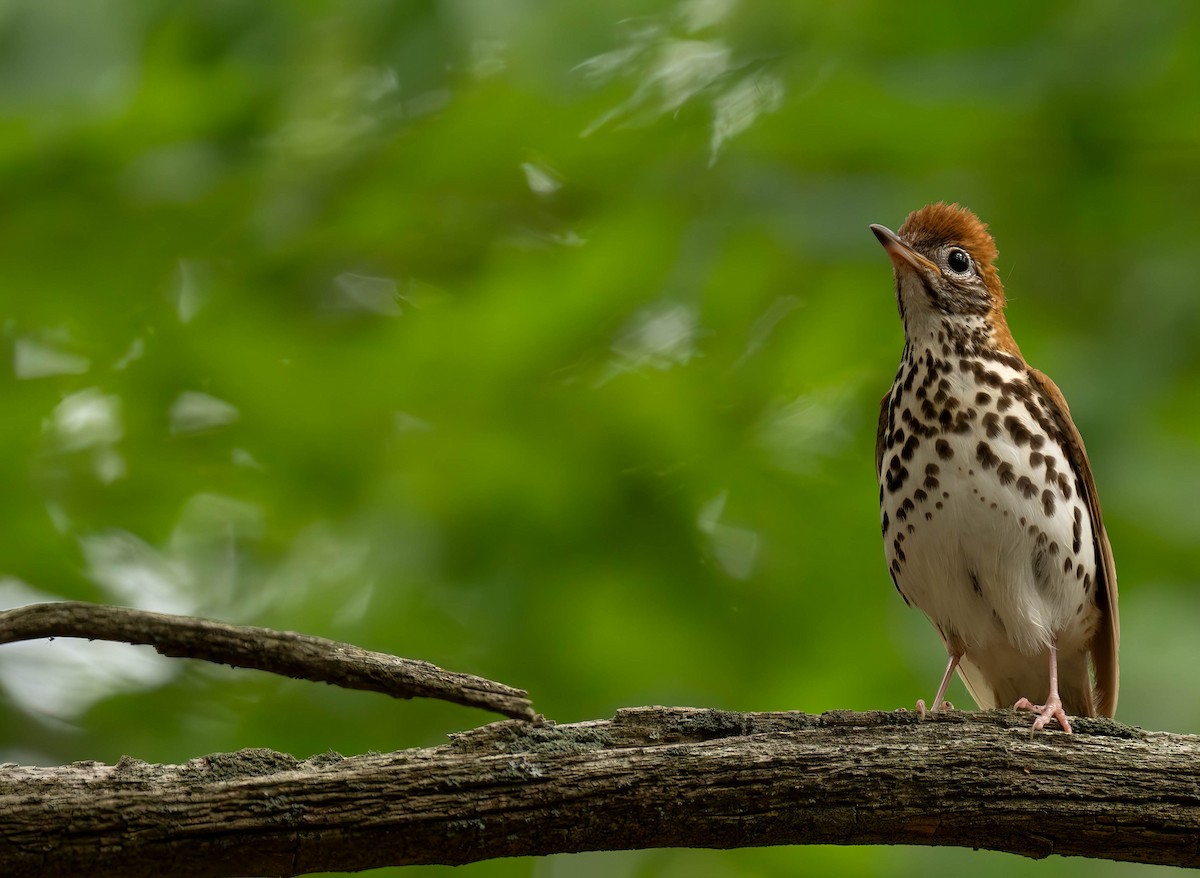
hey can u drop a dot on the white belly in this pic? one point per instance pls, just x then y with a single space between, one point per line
987 533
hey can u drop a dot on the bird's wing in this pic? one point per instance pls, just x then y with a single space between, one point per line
1105 641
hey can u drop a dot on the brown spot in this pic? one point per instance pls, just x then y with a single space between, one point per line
1005 473
1036 459
975 583
937 505
1026 487
992 422
945 452
1077 532
987 458
909 447
1047 503
983 398
886 523
920 496
1018 388
1079 571
1004 403
1039 570
895 568
1064 485
1018 431
1066 565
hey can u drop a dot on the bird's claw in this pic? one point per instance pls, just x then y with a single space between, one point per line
922 710
1052 709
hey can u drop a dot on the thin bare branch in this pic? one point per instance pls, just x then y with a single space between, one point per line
278 652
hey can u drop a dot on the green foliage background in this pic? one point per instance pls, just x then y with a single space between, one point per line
544 341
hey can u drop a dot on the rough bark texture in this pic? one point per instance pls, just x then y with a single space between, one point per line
651 777
287 653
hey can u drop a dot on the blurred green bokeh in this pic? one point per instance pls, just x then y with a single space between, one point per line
544 341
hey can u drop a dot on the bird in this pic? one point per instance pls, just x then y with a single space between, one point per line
990 517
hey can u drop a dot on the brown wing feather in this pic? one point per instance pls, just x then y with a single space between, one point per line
1107 637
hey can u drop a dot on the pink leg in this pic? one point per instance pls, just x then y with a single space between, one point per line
1053 708
938 703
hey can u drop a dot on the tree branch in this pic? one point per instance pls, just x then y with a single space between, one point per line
651 777
287 653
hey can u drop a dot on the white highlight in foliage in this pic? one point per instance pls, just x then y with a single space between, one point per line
668 72
87 419
699 14
134 352
737 108
360 292
192 412
108 464
137 574
679 70
542 181
659 337
242 457
800 434
735 548
189 292
404 422
34 359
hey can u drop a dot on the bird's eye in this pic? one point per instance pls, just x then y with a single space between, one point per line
958 260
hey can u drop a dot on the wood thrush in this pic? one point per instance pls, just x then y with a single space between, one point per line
991 522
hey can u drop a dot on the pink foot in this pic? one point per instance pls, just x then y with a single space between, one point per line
921 709
1052 709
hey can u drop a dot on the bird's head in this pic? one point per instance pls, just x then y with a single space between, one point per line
944 261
